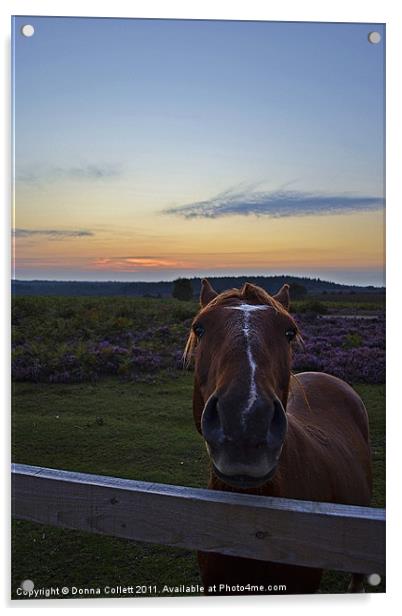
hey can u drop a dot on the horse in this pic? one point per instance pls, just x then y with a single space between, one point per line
268 431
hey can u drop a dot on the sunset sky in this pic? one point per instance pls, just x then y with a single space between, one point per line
151 149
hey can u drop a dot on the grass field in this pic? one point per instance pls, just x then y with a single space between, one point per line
136 430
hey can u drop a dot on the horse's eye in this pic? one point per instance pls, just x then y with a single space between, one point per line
290 334
198 329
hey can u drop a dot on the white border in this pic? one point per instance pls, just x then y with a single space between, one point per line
287 10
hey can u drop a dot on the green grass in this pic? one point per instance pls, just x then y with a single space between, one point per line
351 303
134 430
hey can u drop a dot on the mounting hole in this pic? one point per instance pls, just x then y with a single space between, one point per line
374 37
27 30
374 579
27 585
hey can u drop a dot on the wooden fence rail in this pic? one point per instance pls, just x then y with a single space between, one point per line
338 537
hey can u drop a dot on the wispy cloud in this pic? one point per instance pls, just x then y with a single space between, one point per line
92 172
276 204
53 234
83 172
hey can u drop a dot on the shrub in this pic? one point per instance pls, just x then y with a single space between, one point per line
183 289
313 307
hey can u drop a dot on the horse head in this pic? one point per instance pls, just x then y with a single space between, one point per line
241 342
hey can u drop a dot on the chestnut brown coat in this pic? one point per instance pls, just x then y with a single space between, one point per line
267 431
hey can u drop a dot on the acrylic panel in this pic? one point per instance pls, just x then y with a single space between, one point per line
198 314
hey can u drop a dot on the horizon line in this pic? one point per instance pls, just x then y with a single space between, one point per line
153 282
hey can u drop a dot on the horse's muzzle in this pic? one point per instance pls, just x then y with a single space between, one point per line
244 449
244 482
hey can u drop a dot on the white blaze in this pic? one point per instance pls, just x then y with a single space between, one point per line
247 309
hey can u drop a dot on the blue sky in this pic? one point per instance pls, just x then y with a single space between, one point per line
123 124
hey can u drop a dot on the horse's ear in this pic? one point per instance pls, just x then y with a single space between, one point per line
283 296
207 292
248 289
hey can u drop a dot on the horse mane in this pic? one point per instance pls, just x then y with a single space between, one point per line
249 293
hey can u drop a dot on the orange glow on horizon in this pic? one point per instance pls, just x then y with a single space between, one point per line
135 264
350 242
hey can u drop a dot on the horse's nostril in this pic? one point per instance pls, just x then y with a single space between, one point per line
278 426
210 422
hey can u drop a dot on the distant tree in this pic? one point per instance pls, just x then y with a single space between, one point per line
183 289
297 290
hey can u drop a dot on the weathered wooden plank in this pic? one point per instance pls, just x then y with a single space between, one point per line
339 537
